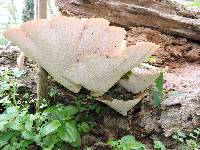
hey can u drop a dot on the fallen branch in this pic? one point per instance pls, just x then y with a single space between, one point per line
164 16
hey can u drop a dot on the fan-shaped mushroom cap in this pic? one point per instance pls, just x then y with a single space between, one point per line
140 79
80 52
99 74
121 106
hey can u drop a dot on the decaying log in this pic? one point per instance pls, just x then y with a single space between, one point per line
165 16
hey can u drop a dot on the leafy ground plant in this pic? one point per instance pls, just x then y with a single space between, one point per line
9 86
55 126
126 143
157 92
187 142
158 145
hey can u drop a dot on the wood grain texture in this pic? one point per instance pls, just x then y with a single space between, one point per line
164 16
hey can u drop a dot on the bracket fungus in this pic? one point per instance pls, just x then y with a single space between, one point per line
80 52
140 79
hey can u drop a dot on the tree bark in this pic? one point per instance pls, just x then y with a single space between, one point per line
42 73
165 16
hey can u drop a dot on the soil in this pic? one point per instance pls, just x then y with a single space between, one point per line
180 108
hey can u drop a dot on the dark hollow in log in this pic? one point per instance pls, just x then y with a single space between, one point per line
165 16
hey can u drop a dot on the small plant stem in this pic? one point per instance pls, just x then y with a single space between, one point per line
41 13
14 90
41 87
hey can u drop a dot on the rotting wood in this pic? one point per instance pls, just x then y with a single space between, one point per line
165 16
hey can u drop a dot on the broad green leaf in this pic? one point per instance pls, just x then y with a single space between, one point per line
51 109
49 128
70 110
68 133
15 125
12 109
156 97
28 125
192 144
3 125
27 135
6 117
6 147
159 145
24 144
6 136
77 143
160 83
50 141
181 134
57 115
129 142
37 139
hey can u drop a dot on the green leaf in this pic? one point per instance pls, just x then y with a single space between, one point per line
127 75
197 132
175 137
68 133
113 143
57 115
181 134
12 109
6 136
76 143
15 125
129 142
7 117
193 136
27 135
159 145
49 128
156 97
28 125
50 141
3 125
17 73
51 109
24 144
84 127
37 139
152 59
160 83
191 144
70 110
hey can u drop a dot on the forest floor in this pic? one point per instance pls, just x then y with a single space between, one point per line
180 108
